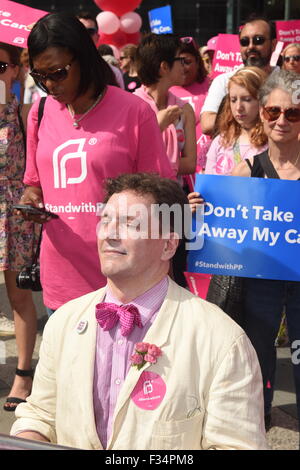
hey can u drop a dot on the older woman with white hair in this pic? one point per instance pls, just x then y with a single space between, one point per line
266 298
291 57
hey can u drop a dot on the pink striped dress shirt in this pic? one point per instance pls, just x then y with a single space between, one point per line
112 357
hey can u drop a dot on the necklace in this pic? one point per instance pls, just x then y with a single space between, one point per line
295 164
77 121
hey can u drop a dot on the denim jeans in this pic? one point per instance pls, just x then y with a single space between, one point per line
264 303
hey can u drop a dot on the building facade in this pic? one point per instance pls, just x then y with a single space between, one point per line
201 19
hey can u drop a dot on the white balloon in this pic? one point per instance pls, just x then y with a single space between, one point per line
131 22
108 22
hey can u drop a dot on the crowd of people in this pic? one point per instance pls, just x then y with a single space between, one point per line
102 125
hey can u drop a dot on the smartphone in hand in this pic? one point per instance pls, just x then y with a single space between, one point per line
31 210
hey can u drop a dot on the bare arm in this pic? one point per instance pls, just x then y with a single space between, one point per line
208 120
168 116
187 163
24 113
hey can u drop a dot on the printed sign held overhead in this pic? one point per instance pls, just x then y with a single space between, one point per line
14 22
160 20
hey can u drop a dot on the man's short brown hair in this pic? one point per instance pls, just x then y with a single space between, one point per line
163 191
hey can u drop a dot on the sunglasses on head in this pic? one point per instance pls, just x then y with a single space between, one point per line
272 113
287 58
188 40
56 76
180 59
257 40
4 66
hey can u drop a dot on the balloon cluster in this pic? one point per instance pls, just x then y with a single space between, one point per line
118 24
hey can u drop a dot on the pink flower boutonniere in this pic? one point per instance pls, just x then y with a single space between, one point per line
145 352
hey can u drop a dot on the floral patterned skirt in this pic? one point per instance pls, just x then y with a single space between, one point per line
17 236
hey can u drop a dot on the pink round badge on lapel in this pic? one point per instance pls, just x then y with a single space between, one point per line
149 391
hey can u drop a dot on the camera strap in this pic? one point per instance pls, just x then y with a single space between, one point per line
38 248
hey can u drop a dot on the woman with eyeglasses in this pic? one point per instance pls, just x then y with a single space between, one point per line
291 57
89 131
17 235
265 299
128 67
160 66
194 91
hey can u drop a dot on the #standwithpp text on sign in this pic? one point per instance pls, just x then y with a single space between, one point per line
250 228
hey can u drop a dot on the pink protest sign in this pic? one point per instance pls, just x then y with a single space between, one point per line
14 21
198 283
288 31
227 57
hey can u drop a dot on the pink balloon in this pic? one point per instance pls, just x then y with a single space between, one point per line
108 22
130 22
119 7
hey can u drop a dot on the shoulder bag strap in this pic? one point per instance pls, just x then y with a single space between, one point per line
41 109
267 165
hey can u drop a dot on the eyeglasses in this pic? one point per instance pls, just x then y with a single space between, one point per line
92 31
189 61
257 40
287 58
122 57
181 60
272 113
57 76
4 66
189 40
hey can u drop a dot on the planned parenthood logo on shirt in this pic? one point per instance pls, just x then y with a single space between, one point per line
60 158
250 228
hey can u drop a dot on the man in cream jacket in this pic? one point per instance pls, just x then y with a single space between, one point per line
194 382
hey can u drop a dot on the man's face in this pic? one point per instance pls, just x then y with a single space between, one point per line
126 249
258 46
92 29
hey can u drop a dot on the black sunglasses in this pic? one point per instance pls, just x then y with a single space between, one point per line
181 60
287 58
272 113
4 66
56 76
257 40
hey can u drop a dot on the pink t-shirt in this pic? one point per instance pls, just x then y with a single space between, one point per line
120 135
195 95
173 135
220 159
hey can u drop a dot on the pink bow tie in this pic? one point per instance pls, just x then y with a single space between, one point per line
108 314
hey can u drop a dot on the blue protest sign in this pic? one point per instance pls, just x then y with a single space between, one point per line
249 227
160 20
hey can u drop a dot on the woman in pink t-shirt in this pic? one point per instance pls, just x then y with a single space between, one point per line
159 67
193 91
89 131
